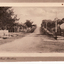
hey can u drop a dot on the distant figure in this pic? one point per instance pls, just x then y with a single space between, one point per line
55 36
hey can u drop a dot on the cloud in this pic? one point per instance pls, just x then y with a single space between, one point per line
37 14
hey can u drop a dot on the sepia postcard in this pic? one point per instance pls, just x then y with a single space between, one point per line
31 31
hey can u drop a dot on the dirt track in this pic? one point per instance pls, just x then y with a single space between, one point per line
33 43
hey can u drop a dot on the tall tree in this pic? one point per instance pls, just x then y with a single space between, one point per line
7 17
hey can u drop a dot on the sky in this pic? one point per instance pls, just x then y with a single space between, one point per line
37 14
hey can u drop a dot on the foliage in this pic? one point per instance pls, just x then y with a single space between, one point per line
28 23
6 19
50 25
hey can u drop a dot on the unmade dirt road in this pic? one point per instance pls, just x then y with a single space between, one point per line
33 43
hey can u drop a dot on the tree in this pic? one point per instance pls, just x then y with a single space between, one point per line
28 23
7 17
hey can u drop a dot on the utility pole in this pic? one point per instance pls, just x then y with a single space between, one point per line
46 27
56 23
55 36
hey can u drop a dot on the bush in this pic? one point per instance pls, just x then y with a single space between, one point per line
50 26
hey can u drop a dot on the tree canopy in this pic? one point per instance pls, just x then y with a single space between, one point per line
7 17
28 23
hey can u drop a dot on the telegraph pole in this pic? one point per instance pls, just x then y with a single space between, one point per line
56 27
56 23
